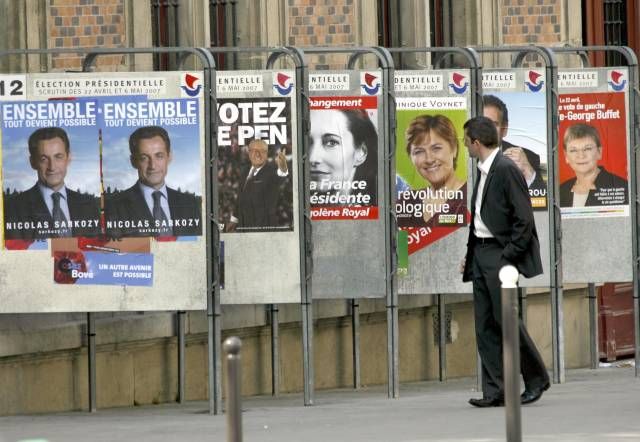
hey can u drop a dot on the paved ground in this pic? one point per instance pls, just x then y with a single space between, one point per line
592 405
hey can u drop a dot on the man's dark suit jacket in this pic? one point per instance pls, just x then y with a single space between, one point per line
130 206
258 199
507 213
29 206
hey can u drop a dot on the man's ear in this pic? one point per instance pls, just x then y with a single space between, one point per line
503 131
132 160
360 155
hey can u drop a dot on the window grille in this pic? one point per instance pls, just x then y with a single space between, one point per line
615 29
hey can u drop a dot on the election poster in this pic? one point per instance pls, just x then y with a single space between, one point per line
431 164
51 181
102 180
593 166
254 164
258 186
343 157
431 159
432 177
91 167
515 100
149 149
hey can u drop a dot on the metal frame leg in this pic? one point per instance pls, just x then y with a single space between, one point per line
275 351
442 338
593 326
91 359
355 341
181 356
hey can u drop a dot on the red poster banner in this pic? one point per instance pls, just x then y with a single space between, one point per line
593 167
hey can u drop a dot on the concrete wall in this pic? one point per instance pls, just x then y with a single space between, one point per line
133 369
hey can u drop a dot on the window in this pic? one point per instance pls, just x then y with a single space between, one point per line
223 30
164 22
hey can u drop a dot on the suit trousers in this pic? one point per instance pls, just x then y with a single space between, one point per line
488 320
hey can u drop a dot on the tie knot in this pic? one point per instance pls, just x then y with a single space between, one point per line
156 196
56 197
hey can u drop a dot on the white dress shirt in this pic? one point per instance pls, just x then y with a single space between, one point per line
480 229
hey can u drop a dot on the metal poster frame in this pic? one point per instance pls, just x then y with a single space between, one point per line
634 206
304 232
439 55
386 134
553 208
208 64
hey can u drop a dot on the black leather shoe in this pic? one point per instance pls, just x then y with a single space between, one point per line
487 402
530 396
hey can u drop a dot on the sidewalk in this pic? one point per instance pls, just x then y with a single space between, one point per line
592 405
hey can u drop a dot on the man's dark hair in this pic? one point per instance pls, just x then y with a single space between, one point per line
493 101
47 133
483 130
146 132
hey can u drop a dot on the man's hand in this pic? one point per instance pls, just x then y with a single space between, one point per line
281 161
461 267
230 227
518 156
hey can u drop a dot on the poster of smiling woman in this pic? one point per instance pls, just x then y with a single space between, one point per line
593 157
432 166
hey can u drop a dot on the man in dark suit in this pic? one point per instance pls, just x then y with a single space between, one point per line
150 207
502 232
256 207
49 209
527 161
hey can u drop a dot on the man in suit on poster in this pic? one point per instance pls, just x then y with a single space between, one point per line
527 161
256 207
502 232
150 207
49 209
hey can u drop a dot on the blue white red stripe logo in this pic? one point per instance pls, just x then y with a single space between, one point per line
617 82
370 83
190 85
459 83
536 81
283 84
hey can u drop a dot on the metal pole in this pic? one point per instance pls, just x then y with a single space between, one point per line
511 352
593 326
275 351
181 353
232 348
442 338
355 340
91 358
307 351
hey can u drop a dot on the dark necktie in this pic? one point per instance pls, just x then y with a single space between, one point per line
159 216
58 216
249 177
